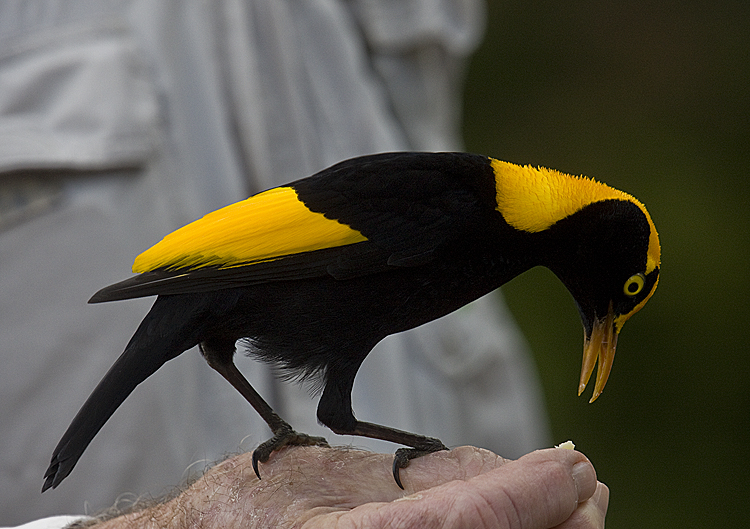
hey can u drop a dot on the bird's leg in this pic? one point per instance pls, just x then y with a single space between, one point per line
335 411
420 444
283 433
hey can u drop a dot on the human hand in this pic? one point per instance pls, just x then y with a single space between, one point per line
314 487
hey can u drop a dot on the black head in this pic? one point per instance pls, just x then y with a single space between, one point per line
607 255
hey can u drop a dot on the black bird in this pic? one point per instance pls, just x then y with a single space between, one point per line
315 273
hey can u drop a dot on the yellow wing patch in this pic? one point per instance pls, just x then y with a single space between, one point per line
263 227
533 199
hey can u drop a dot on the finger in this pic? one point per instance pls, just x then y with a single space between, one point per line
591 513
541 489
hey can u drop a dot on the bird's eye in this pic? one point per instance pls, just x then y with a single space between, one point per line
634 284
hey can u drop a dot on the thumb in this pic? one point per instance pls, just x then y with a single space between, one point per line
540 490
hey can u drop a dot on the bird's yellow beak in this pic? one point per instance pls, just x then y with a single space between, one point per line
599 346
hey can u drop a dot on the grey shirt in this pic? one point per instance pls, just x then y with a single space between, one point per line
121 121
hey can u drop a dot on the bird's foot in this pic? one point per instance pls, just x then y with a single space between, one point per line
283 436
404 455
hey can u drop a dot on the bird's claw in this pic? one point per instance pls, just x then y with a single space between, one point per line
404 455
284 436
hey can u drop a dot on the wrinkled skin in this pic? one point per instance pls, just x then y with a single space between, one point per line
312 487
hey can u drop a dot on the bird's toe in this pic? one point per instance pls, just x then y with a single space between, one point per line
285 436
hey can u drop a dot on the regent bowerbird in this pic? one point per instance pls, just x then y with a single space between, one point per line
311 275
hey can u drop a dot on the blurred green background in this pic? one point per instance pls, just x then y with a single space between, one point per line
652 98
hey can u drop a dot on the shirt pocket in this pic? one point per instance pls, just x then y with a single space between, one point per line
73 101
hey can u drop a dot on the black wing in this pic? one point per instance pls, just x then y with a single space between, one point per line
406 205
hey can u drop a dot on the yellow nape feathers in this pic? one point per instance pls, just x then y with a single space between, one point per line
533 199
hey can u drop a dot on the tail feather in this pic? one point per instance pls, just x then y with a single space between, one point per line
159 338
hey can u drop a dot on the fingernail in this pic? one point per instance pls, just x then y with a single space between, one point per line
601 497
585 480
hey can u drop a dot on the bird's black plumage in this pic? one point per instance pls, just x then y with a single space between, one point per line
428 236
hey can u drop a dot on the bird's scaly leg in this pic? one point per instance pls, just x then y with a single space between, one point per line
335 411
283 433
420 444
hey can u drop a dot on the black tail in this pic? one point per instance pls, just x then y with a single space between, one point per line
169 329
